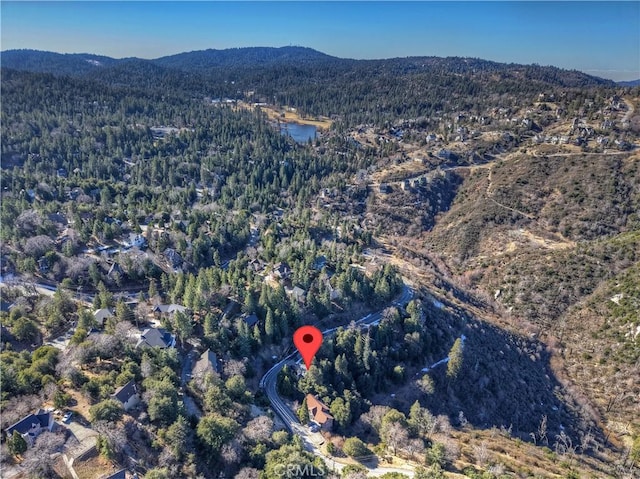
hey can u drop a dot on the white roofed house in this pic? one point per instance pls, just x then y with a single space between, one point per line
169 308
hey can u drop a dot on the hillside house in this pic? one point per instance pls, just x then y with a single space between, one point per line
282 270
101 315
319 413
168 309
384 188
43 265
446 154
250 319
156 338
298 294
231 309
136 241
320 262
31 426
207 364
173 258
5 306
127 395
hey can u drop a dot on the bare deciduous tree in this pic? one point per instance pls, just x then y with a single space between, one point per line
542 430
234 368
18 407
564 445
66 366
77 268
247 473
28 222
585 442
106 345
414 447
395 435
451 449
374 416
442 424
114 433
356 475
123 331
481 453
232 452
37 460
36 246
146 366
258 429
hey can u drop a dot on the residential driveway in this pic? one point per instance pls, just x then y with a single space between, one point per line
185 376
61 342
86 438
187 366
190 406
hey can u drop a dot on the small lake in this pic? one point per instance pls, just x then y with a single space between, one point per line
300 133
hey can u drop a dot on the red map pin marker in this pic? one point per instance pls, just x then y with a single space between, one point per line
308 340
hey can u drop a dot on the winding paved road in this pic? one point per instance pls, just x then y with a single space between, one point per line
269 384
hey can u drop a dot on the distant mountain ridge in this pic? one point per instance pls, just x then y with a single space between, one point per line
237 59
233 57
82 63
629 83
56 63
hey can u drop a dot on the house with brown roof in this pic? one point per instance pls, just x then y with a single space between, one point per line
319 413
207 364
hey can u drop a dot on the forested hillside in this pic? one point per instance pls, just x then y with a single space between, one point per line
465 232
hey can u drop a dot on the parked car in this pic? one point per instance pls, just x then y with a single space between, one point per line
67 417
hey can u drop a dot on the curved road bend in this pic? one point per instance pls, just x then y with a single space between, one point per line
269 381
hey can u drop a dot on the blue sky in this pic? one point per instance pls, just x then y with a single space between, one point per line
601 38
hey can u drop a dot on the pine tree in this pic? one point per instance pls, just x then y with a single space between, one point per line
455 360
303 412
182 325
250 304
123 312
270 326
17 444
153 289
